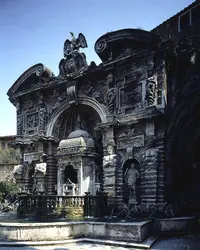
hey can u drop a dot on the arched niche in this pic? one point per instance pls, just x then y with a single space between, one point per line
131 182
95 108
83 176
70 174
80 117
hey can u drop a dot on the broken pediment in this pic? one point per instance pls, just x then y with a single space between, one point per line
120 43
32 76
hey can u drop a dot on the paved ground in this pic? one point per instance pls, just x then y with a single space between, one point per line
188 242
77 246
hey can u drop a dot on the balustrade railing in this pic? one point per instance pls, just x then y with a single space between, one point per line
44 206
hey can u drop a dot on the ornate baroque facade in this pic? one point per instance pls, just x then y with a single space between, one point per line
95 128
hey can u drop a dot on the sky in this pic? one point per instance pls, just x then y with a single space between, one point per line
34 31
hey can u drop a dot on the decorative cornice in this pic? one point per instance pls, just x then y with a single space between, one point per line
36 70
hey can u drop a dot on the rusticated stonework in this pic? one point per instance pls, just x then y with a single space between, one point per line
97 125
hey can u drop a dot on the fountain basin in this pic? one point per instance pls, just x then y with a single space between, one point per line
56 231
176 224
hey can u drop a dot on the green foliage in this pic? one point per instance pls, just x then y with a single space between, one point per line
7 188
8 156
69 212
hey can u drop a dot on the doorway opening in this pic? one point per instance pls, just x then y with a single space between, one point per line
70 174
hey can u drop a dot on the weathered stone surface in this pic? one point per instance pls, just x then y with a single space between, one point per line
182 224
97 119
132 232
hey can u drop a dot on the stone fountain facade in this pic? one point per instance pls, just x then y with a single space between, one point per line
95 128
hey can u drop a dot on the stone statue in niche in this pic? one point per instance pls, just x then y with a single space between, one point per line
38 176
74 62
151 88
111 98
111 158
70 188
130 176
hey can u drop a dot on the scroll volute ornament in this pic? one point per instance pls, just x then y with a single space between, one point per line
151 89
44 73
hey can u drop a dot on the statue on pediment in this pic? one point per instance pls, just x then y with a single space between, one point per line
74 62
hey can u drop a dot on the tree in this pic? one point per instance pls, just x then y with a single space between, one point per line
9 156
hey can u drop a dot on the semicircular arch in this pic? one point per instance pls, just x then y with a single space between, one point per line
100 109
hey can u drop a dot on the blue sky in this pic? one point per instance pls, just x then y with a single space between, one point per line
34 31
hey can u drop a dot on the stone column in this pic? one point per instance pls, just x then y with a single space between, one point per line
19 118
119 183
150 177
161 171
51 176
80 179
60 179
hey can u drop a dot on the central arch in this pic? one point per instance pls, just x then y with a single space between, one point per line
93 104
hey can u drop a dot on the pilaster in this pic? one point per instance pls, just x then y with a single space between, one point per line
51 176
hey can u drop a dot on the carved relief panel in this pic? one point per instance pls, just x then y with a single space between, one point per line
130 96
54 98
95 90
135 141
31 122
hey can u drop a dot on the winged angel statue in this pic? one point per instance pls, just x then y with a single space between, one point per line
74 62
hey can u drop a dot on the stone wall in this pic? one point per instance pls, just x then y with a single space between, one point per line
170 29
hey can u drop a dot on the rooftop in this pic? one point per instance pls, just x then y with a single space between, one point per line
180 12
